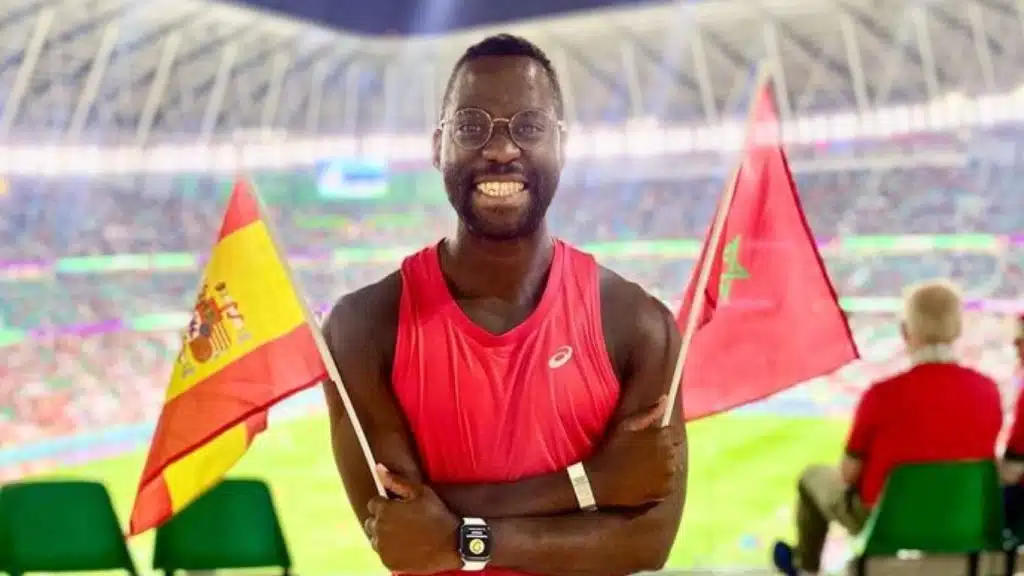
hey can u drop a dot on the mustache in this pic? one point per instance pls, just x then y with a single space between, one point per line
495 169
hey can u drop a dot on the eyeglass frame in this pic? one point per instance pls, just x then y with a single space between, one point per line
559 126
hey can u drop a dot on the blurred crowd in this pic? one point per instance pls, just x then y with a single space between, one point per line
144 215
925 185
53 384
61 385
48 305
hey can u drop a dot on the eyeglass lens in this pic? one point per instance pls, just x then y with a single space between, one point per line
472 128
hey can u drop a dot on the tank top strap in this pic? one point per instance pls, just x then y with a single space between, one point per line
582 285
423 286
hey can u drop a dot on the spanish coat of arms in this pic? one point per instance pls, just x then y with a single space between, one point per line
215 325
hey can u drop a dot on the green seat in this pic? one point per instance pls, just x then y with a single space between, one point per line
60 527
936 508
234 525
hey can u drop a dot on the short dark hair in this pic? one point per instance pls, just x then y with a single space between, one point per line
506 45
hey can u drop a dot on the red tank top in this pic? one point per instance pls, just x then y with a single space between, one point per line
496 408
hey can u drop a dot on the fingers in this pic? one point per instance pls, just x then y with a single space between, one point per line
665 460
648 417
370 527
670 446
376 505
381 509
672 435
396 485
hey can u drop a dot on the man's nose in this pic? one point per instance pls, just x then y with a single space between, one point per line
500 148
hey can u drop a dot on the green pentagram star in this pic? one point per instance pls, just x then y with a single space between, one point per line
732 270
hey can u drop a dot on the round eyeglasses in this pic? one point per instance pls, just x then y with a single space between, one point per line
472 128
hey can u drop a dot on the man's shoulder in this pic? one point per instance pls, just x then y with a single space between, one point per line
630 315
895 383
620 294
920 379
984 387
368 315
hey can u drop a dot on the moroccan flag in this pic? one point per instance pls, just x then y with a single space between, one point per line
770 316
249 345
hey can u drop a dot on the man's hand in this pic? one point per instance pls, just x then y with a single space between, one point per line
654 454
413 532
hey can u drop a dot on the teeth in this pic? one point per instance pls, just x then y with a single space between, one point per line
499 189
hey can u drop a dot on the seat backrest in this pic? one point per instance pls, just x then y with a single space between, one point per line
938 508
234 525
66 526
3 539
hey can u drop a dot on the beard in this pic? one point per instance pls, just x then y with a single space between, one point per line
493 226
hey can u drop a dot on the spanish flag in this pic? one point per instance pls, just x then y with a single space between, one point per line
250 343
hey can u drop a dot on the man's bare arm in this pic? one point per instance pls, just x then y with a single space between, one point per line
610 543
547 494
360 333
593 544
1011 471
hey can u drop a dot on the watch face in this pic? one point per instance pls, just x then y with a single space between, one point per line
475 543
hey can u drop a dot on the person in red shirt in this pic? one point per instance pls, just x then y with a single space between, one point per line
903 419
509 386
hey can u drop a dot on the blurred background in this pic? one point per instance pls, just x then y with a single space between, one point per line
123 122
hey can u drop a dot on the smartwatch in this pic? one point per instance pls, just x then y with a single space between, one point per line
474 544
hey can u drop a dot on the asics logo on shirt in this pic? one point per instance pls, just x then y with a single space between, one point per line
560 357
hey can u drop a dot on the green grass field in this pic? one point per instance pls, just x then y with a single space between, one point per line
742 478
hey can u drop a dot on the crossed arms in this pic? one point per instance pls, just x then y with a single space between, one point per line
638 475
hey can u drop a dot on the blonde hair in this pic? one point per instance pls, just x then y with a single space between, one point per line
932 312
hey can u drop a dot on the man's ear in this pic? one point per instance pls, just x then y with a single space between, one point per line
436 157
563 138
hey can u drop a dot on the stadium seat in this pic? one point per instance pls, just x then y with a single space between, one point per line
60 527
937 509
234 525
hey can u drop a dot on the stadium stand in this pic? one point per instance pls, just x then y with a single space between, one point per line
122 125
918 192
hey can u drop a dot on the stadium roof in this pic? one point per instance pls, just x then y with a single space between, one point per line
136 71
417 17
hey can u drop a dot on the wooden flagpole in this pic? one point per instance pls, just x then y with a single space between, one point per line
717 231
318 338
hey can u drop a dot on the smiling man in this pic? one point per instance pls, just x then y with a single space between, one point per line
510 387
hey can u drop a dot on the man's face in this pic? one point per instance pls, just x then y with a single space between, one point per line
501 190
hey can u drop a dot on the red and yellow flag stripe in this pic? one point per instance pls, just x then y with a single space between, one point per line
249 345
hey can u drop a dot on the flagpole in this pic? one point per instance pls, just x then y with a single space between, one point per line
318 338
717 231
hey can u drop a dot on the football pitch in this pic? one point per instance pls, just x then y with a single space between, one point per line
742 483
